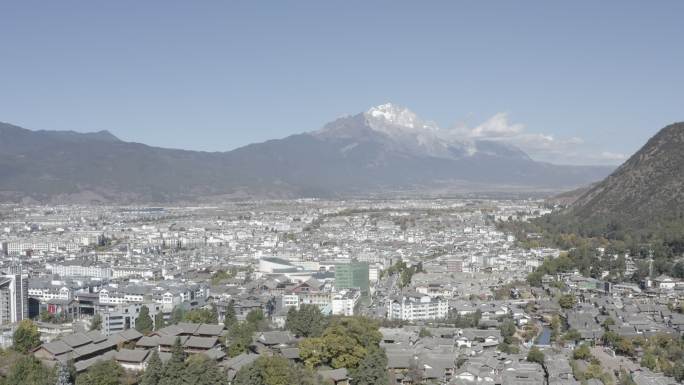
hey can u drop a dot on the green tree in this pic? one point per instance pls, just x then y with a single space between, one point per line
200 370
230 318
424 332
101 373
611 338
508 349
625 347
678 370
312 352
308 321
572 335
159 320
649 360
567 301
274 370
144 323
201 316
364 330
535 355
240 338
372 370
177 315
345 342
608 322
174 368
26 336
96 322
582 352
255 316
507 329
27 370
535 278
154 370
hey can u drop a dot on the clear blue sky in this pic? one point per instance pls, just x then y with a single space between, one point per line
213 75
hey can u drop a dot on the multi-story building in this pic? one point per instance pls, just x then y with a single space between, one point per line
40 246
114 297
45 294
129 271
352 275
412 308
454 266
13 298
123 317
344 302
81 269
290 300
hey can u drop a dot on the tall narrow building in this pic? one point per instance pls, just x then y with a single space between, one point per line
352 275
13 298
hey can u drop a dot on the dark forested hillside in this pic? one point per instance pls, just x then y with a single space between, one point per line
643 198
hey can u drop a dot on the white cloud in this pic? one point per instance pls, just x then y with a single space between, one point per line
540 146
497 127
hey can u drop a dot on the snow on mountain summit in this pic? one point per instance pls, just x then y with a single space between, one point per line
389 117
401 130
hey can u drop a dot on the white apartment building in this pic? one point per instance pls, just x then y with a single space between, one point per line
81 270
412 308
290 300
13 298
22 247
344 302
113 297
124 272
45 294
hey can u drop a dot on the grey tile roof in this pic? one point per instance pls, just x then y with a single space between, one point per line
215 354
76 339
85 364
201 342
57 347
209 330
148 342
238 362
130 334
275 338
170 340
94 348
129 355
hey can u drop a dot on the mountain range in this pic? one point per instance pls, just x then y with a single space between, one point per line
385 149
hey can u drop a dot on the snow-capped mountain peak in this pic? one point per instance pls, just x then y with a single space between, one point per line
399 130
390 117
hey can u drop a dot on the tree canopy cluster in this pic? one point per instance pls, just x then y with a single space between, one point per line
464 321
308 321
661 353
181 370
26 337
329 342
663 243
239 336
405 272
275 371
